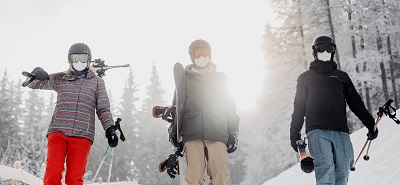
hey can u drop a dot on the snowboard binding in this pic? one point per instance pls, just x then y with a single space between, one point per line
306 161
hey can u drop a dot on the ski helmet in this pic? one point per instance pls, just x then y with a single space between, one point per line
200 43
324 43
79 48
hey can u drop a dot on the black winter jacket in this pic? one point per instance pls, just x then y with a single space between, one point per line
321 96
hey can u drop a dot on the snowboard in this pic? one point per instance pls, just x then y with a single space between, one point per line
179 103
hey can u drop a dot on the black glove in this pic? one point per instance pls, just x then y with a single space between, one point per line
40 74
293 139
112 136
232 141
169 113
372 134
37 73
171 165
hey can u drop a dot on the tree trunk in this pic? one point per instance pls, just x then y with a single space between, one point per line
382 65
303 45
332 33
384 83
368 100
392 76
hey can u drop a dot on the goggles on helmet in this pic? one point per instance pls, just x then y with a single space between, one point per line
324 47
75 58
201 52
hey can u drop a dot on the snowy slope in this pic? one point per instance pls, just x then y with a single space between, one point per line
382 168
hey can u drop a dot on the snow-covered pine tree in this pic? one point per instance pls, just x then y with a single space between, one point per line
153 138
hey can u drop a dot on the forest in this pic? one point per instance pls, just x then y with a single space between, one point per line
368 49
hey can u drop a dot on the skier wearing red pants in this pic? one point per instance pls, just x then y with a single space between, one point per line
80 93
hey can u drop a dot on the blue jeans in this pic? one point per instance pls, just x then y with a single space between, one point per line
333 154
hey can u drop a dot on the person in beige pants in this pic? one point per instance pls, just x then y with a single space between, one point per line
210 123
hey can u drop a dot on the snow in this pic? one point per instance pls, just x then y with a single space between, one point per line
382 168
12 173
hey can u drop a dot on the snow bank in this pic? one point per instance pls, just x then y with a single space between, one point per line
382 168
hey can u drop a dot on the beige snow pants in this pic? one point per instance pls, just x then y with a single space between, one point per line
201 154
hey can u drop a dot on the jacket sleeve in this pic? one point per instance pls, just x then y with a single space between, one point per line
356 104
103 105
299 108
49 84
232 116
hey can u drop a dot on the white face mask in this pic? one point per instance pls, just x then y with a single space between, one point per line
202 61
324 56
79 66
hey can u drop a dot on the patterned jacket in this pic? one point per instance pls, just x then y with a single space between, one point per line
78 97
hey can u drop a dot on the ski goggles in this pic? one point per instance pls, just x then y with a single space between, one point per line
330 48
75 58
201 52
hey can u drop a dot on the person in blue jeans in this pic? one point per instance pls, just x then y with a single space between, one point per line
321 96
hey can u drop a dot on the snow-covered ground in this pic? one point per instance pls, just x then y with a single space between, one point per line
382 168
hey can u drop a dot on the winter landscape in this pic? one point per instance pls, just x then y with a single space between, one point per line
262 46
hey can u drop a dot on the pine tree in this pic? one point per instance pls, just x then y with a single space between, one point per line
154 95
17 102
8 121
153 137
34 132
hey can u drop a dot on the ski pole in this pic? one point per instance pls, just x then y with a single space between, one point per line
366 157
101 163
353 168
109 169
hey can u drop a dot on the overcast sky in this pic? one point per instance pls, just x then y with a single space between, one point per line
139 33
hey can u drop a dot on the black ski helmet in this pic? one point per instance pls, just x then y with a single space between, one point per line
199 43
79 48
323 39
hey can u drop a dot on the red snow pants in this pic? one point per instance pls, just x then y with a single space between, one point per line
73 151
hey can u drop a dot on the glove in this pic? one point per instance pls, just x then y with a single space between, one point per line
293 139
232 141
37 73
112 136
372 134
169 113
171 165
40 74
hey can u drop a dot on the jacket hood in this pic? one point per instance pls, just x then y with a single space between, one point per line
323 67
